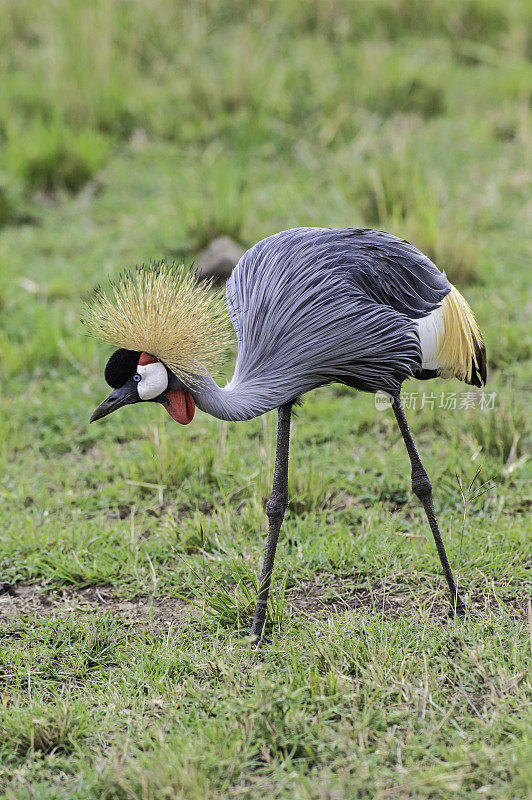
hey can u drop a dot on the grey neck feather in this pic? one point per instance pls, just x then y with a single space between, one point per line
238 400
234 402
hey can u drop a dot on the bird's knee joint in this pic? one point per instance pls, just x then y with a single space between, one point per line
421 486
275 507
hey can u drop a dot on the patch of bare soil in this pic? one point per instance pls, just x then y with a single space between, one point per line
327 594
315 597
33 599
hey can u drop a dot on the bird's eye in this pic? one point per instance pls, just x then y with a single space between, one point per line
137 377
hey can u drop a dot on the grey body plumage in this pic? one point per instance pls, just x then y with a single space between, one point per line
315 305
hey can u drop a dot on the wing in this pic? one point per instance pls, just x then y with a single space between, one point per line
393 272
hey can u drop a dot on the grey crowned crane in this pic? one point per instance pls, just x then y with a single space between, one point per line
309 306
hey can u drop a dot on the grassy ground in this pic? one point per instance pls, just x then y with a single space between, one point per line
136 131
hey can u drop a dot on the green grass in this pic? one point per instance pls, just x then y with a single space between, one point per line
132 132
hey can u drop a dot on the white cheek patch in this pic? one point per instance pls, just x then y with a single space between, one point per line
154 380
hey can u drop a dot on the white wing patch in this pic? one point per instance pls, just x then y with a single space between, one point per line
154 380
431 331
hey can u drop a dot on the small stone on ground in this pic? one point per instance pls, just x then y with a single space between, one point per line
219 259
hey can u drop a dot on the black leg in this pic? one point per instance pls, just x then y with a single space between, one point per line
422 487
275 508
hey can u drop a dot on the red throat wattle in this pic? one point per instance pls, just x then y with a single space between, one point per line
181 405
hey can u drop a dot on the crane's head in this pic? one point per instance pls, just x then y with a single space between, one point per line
137 377
170 331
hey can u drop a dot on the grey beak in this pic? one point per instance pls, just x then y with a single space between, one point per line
123 396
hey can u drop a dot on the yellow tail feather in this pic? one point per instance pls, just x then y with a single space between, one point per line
461 345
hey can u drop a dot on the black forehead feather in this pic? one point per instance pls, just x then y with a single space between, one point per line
121 366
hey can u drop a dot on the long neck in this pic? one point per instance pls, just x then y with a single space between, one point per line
234 402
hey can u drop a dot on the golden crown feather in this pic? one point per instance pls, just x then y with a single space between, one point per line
161 309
